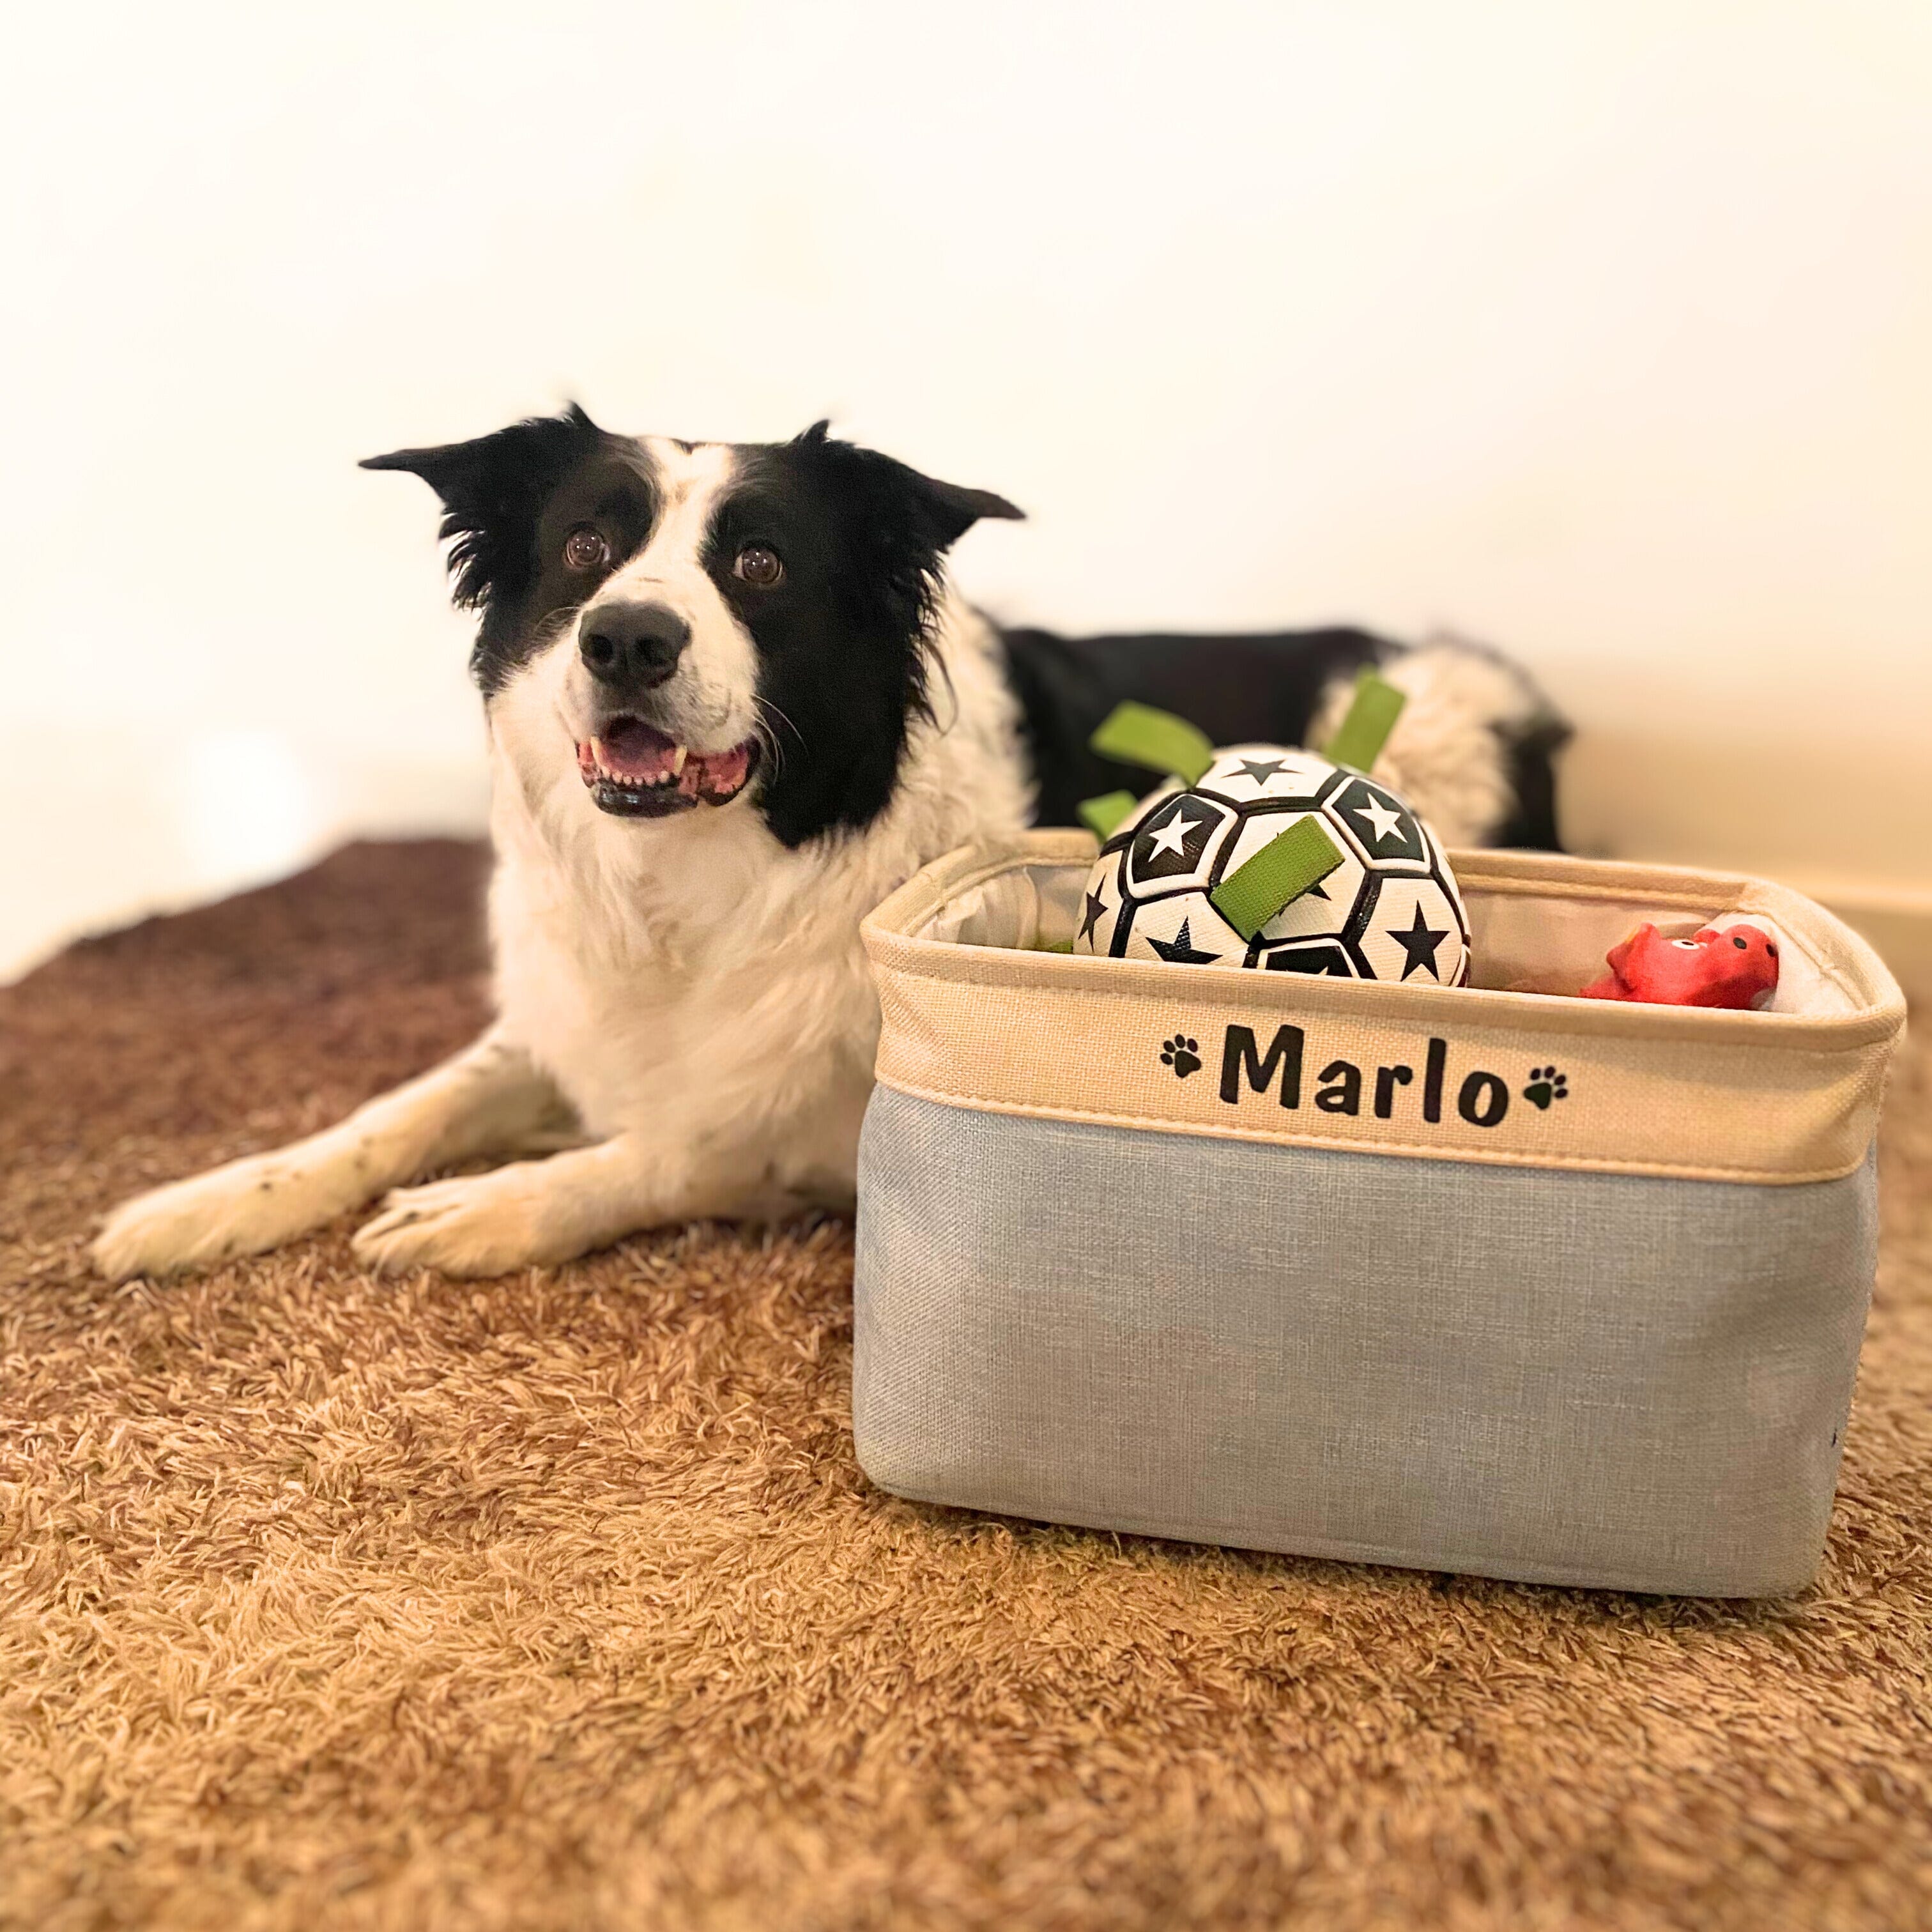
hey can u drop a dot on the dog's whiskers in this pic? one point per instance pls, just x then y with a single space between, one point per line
767 737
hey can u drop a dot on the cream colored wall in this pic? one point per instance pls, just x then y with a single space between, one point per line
1598 330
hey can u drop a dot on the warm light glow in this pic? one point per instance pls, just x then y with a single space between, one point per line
248 807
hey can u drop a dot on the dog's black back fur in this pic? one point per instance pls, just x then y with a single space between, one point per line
1263 686
1236 688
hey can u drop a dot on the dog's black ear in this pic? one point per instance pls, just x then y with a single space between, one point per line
492 488
949 510
955 510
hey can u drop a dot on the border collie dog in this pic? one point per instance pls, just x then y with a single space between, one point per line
733 702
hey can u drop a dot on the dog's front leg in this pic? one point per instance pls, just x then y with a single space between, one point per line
537 1212
489 1098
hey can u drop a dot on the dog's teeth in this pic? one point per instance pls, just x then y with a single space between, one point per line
677 759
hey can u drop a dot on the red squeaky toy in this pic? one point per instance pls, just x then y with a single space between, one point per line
1733 966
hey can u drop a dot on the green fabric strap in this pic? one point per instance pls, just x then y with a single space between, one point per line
1100 815
1281 871
1138 734
1372 717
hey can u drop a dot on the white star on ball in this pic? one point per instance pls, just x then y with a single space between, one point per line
1172 837
1385 820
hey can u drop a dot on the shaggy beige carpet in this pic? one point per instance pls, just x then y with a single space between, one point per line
558 1601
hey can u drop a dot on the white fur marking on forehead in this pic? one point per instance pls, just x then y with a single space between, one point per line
691 483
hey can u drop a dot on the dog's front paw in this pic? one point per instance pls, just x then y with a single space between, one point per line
241 1209
481 1224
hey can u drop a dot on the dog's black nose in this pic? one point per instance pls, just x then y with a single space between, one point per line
632 646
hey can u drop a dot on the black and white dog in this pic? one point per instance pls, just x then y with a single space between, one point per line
733 702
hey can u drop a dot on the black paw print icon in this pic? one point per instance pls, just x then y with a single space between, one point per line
1547 1086
1181 1054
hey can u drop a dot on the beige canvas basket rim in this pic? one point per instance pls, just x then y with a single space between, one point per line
1878 1005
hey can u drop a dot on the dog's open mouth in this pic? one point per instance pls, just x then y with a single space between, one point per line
633 769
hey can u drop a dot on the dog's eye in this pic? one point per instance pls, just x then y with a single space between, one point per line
584 549
757 565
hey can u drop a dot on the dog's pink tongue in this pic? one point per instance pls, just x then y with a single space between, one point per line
724 771
632 751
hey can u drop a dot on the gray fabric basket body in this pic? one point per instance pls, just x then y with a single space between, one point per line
1603 1379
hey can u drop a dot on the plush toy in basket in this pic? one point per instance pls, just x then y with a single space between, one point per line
1732 967
1264 856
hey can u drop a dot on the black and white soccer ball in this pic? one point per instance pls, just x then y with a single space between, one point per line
1390 910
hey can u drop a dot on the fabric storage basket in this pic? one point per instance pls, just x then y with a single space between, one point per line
1530 1287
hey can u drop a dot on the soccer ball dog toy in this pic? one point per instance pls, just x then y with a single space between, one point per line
1259 856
